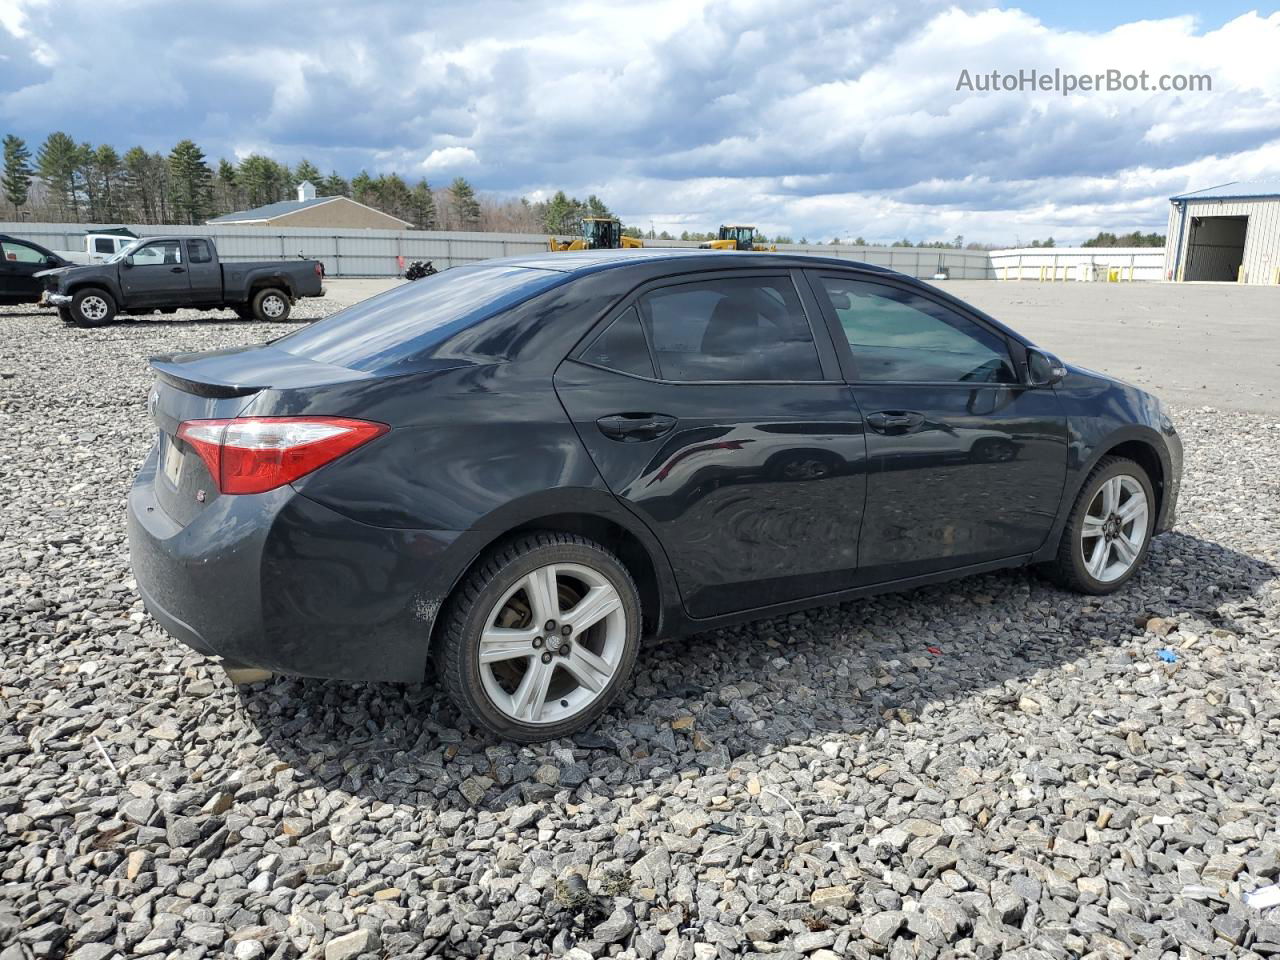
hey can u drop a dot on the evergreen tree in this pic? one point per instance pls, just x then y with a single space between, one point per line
562 214
107 171
226 188
392 195
334 186
262 180
191 183
466 208
57 162
422 206
17 171
363 189
306 170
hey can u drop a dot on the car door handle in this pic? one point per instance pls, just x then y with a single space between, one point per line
894 421
634 427
177 269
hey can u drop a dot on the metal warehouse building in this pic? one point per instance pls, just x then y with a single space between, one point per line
1230 232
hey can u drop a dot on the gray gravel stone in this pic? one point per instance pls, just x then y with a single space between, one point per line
1046 786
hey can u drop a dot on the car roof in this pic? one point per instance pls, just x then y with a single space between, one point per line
594 261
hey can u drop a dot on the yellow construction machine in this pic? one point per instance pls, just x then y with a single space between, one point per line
598 233
736 237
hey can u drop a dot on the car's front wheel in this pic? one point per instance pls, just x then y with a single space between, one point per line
1109 530
540 637
92 308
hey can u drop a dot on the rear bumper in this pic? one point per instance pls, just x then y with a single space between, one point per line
280 582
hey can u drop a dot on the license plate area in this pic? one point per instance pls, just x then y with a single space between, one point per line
171 460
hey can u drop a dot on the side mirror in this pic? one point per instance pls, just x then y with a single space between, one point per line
127 261
1043 369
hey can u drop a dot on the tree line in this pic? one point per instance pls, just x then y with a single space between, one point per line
76 182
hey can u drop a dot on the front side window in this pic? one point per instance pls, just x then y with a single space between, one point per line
898 335
21 253
161 253
748 328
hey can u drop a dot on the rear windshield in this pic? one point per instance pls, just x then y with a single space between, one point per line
399 328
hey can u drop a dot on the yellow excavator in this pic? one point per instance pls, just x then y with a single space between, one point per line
598 233
736 237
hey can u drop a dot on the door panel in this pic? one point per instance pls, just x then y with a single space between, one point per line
755 490
965 463
21 264
977 478
158 275
205 274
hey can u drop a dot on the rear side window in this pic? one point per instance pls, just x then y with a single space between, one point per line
744 328
198 251
104 245
396 329
621 347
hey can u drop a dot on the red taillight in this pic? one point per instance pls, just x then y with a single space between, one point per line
257 454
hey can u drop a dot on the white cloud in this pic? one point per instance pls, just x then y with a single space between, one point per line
808 117
449 159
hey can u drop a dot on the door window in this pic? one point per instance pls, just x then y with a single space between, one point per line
158 254
748 328
21 253
198 251
898 335
621 347
104 245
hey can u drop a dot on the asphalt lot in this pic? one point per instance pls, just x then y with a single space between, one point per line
988 767
1193 344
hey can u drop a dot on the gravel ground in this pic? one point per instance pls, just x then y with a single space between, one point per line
989 767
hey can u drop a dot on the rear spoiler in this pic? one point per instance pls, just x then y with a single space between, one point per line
166 371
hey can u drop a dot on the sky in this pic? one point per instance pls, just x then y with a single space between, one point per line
810 119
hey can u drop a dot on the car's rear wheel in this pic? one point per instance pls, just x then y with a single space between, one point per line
92 308
540 637
1109 530
271 305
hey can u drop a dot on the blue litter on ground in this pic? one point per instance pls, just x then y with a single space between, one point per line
1168 656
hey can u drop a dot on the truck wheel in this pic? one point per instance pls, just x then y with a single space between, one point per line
92 308
271 305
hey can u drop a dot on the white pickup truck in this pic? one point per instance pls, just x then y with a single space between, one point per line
98 248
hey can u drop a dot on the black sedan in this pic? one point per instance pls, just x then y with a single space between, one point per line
521 469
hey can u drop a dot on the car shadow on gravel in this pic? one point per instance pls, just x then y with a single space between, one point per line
732 695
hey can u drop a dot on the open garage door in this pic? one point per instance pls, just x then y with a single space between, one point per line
1215 248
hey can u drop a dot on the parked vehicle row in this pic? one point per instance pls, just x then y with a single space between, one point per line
171 273
520 469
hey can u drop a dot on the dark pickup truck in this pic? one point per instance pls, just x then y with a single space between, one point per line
169 273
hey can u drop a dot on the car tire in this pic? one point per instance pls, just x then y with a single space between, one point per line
568 675
244 313
1095 524
92 307
64 314
271 305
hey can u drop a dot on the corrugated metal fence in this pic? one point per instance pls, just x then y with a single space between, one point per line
375 253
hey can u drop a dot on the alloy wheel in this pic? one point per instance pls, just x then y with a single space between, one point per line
93 308
273 306
1115 528
552 644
